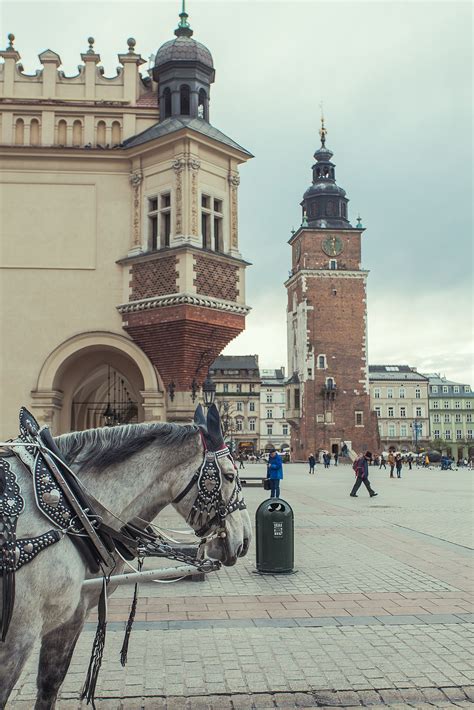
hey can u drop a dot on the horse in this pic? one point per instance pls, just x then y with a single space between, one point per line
133 471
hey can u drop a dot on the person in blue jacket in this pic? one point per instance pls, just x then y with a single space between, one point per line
274 473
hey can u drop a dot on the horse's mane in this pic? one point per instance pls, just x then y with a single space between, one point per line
98 448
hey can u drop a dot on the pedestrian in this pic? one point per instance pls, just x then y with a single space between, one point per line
241 461
344 449
391 462
426 463
327 459
382 462
312 463
336 458
274 473
410 461
399 465
361 470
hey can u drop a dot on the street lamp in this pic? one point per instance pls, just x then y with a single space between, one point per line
417 427
209 391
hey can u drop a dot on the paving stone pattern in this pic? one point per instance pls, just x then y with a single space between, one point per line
378 613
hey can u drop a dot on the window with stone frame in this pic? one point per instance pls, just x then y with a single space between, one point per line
322 364
457 418
159 221
389 392
447 434
390 412
252 407
239 424
418 412
436 418
445 389
285 429
225 387
457 405
212 223
403 411
269 429
377 393
436 434
269 414
469 433
359 418
456 389
251 424
269 397
434 389
403 430
458 434
239 406
468 405
446 404
391 430
469 417
378 411
447 418
417 393
436 404
401 393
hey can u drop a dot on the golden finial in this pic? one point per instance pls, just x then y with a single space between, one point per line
322 131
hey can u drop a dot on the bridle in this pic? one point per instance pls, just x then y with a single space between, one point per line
209 509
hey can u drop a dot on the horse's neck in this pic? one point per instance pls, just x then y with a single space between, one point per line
147 482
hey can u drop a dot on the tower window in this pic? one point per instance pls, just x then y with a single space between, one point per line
167 102
322 362
330 384
359 418
333 264
297 398
203 105
330 209
159 221
185 100
212 223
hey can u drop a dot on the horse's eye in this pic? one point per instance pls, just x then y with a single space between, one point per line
230 476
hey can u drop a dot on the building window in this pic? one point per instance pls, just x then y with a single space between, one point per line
269 429
240 406
458 434
391 430
447 418
445 389
251 424
359 418
417 393
469 417
333 264
239 424
310 372
322 362
159 221
447 434
167 102
330 383
34 132
446 404
378 411
467 388
418 412
456 389
390 411
184 95
211 217
225 387
468 405
62 133
252 387
377 393
436 418
403 411
238 387
469 433
165 219
203 105
403 430
457 418
389 393
252 406
153 222
434 389
401 393
457 405
116 133
269 414
285 429
101 134
77 134
436 434
269 398
436 404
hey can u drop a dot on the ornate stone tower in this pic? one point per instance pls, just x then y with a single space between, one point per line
185 272
328 391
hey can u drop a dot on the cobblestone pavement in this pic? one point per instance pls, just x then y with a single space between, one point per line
379 612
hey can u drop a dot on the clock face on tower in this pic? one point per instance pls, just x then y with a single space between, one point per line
332 246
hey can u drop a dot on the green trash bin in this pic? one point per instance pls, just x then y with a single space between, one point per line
274 529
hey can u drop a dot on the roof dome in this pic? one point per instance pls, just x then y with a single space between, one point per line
183 49
324 188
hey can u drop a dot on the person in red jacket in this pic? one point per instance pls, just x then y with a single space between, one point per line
361 469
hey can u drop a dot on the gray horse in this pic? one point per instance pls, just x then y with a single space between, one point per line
134 471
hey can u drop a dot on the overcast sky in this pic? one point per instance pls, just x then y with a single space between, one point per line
396 82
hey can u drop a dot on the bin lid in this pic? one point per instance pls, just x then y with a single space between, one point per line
276 507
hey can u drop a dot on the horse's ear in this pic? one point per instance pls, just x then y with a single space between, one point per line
214 428
200 418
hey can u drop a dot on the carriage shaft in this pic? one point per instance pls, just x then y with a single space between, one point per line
146 576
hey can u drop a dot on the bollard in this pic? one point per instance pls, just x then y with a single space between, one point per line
274 536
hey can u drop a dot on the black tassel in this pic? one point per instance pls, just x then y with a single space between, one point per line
8 599
131 619
88 691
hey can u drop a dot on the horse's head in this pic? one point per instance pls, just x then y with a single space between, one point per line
216 509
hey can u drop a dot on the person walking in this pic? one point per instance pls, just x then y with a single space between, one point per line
336 458
410 462
382 462
391 462
274 473
327 459
312 463
361 470
399 465
241 461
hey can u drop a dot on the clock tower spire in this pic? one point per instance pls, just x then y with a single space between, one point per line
328 393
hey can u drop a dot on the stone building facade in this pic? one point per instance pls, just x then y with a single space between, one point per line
399 398
120 223
328 390
274 428
238 386
451 412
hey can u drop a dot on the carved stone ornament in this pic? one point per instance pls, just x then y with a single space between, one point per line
194 164
136 178
178 164
234 179
234 182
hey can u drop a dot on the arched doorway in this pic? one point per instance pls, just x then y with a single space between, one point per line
97 379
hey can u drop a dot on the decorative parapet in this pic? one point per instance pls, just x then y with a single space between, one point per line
179 299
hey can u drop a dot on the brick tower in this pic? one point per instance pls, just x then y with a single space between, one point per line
185 274
328 390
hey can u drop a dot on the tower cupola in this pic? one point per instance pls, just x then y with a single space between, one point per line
324 202
184 70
